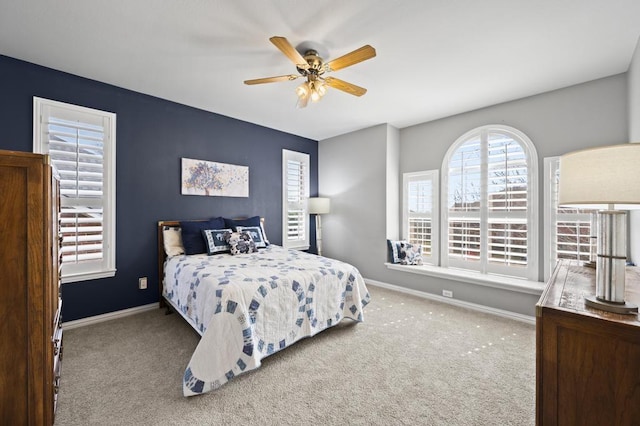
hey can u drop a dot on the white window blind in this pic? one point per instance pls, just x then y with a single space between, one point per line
421 212
490 185
81 144
464 189
568 230
507 187
295 194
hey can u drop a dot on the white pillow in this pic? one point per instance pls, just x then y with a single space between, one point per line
172 237
264 234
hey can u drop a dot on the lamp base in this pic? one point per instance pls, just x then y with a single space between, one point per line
618 308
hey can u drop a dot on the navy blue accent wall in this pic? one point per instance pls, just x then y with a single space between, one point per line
152 136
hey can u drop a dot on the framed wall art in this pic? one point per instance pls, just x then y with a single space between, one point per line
209 178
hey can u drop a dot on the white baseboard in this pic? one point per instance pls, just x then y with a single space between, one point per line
109 316
481 308
68 325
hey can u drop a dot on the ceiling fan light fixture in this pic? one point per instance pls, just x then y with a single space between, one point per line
311 66
304 94
303 90
302 102
312 90
321 88
315 94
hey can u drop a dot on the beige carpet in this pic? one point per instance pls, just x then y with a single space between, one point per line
411 362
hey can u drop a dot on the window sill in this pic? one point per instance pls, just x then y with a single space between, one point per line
300 248
495 281
72 278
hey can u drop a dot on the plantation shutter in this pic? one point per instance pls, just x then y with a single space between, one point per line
76 143
489 193
421 212
296 193
571 227
507 187
295 200
464 215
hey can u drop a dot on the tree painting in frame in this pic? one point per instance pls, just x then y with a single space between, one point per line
209 178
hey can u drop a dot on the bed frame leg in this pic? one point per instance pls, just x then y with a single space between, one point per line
168 311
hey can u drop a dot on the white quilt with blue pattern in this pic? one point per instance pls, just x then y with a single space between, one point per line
249 306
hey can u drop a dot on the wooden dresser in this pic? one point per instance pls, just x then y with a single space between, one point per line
587 360
30 302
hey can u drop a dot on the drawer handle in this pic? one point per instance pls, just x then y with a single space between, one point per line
57 347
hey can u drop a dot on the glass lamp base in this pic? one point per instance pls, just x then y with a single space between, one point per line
618 308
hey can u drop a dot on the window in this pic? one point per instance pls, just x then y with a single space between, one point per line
567 230
421 212
489 196
81 144
295 184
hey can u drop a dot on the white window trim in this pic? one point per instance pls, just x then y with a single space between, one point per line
532 196
515 284
109 185
433 176
550 166
305 159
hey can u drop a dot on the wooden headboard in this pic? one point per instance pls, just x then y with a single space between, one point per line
162 256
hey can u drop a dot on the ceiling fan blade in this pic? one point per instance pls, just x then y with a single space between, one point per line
290 51
351 89
272 79
352 58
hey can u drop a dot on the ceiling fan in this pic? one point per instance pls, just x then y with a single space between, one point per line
312 67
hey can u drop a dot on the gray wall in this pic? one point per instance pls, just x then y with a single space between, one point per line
582 116
354 170
394 191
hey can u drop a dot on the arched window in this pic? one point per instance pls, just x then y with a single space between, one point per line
489 199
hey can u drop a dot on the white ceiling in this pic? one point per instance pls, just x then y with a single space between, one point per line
435 58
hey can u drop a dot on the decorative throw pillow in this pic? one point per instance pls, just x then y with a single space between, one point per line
256 234
192 234
250 221
216 240
172 237
240 243
405 253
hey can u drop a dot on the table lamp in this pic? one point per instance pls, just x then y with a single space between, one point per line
606 178
319 206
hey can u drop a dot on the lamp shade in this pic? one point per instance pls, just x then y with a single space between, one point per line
319 205
604 175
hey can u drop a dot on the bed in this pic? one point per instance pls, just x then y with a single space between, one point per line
249 305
